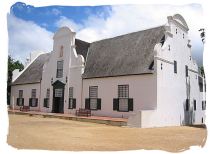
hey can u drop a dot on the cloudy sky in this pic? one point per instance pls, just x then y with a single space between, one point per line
31 28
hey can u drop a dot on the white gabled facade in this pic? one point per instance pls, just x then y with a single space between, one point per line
155 99
73 66
173 89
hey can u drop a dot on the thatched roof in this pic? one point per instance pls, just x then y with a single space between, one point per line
33 72
82 47
123 55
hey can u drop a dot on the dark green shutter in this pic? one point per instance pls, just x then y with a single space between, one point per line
36 102
74 103
69 103
116 104
18 103
30 101
23 101
130 104
45 102
187 105
99 103
87 103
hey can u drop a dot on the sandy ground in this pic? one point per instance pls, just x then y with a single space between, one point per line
56 134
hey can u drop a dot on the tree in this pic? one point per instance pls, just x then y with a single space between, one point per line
12 65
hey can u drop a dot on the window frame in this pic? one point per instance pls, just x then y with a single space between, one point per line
33 93
59 71
72 100
203 105
121 99
93 98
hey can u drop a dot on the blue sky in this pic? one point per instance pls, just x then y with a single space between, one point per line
31 28
46 17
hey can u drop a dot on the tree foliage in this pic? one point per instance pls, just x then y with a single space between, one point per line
12 65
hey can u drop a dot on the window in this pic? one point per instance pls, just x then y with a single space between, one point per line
123 95
123 91
33 93
46 100
169 47
20 99
186 70
58 92
176 31
72 100
123 103
20 93
59 69
183 35
48 93
61 52
70 92
93 94
187 105
33 101
194 104
93 102
203 105
161 66
175 66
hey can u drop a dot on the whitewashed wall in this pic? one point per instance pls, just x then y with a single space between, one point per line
73 67
27 88
171 87
141 88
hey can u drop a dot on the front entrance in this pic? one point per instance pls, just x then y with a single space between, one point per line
58 97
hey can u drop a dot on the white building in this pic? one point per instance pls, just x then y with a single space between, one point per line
148 77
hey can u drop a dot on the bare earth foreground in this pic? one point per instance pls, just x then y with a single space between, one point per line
56 134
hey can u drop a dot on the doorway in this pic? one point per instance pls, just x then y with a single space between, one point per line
58 97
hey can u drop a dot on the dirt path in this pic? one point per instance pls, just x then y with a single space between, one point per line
56 134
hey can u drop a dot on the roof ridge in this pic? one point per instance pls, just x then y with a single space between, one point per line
33 61
118 36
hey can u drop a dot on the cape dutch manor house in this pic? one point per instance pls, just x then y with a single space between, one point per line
147 76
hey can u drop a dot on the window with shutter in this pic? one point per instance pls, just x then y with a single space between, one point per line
203 105
93 95
20 93
175 66
48 93
59 73
123 95
20 98
33 93
47 99
72 100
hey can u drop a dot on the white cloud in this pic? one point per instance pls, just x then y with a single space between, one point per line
56 11
26 37
123 19
64 21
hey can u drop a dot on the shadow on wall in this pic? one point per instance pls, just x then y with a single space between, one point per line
189 115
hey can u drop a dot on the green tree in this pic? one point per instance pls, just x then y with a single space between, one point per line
12 65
